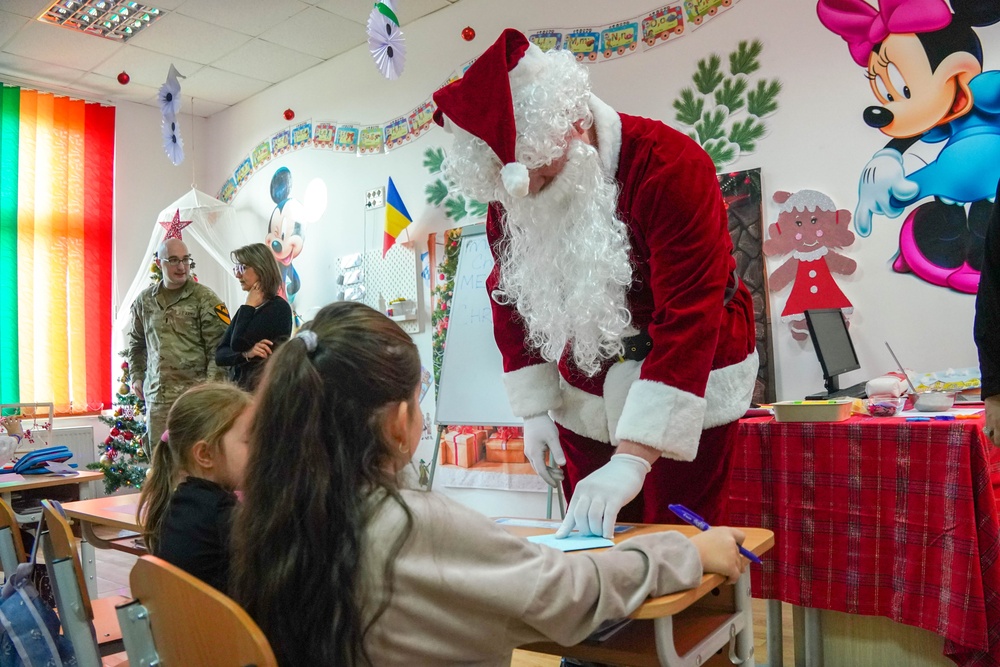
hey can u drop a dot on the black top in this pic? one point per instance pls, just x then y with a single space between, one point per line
987 327
194 534
271 321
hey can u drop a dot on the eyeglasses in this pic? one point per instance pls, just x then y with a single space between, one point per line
239 270
174 261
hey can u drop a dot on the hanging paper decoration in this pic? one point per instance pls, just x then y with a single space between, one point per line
385 40
175 225
170 104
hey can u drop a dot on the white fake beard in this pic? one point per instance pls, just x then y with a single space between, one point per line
565 263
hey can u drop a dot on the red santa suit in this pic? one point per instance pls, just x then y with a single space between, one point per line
697 380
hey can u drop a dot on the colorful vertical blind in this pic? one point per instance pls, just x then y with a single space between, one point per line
56 205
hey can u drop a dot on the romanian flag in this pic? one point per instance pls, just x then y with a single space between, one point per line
397 218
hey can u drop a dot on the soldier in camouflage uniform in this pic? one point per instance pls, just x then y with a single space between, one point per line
176 326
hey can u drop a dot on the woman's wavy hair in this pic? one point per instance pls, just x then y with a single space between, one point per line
259 257
319 454
205 412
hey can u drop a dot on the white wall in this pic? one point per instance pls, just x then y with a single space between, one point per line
817 140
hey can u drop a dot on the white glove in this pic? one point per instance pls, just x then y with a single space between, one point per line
882 179
598 497
540 437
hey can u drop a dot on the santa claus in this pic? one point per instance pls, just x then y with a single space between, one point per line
626 335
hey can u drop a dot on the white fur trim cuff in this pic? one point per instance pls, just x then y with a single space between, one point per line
533 390
581 412
664 418
730 391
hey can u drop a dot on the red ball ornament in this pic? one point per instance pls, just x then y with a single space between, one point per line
127 435
289 114
115 433
468 34
124 365
108 440
123 77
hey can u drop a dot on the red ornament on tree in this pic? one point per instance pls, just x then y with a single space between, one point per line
115 432
123 77
127 435
289 114
124 365
107 440
468 34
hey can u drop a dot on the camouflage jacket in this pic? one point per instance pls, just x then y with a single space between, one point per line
172 341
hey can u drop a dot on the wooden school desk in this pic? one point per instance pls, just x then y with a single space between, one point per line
680 629
877 517
113 512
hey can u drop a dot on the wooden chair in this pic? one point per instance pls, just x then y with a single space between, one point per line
178 620
12 551
91 625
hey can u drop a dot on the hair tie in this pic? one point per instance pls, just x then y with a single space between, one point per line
165 436
310 338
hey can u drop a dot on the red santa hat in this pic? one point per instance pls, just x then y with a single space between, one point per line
481 104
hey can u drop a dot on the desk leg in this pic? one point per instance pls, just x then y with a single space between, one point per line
775 638
87 554
734 636
808 633
814 637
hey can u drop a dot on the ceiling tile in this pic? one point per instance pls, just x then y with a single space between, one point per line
36 72
10 24
220 86
264 60
145 67
109 86
358 11
60 46
318 33
251 17
29 8
184 37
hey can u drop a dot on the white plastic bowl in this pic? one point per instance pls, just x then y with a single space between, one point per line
934 401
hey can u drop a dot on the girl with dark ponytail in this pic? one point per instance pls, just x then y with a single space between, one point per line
341 564
187 500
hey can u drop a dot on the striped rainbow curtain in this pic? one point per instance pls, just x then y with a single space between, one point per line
56 204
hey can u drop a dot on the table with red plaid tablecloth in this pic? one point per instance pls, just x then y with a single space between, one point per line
880 517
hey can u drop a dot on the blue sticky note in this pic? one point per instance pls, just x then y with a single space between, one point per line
573 542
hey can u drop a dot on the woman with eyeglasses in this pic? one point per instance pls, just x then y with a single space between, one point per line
260 324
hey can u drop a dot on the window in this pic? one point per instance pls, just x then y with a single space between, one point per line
56 204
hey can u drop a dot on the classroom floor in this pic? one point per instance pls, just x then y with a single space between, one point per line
113 569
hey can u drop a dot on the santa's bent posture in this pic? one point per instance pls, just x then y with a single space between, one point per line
627 337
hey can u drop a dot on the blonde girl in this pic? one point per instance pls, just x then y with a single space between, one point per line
188 498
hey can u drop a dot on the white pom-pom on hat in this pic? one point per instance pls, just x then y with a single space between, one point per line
515 178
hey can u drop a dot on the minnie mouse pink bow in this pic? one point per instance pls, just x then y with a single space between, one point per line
862 27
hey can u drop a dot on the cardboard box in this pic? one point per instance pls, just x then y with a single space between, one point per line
505 450
463 447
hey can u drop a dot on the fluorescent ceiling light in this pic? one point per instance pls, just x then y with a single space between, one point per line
117 20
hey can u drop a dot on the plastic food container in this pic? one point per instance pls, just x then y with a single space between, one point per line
832 410
934 401
885 406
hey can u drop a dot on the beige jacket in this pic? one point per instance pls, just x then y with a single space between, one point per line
467 592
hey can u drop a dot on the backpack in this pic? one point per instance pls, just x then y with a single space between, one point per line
29 628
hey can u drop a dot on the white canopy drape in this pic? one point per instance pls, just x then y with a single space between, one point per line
213 225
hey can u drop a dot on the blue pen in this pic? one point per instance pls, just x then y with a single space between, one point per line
699 523
918 419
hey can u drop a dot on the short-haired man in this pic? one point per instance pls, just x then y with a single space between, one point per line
616 304
177 324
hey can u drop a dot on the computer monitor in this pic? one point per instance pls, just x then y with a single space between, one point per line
828 330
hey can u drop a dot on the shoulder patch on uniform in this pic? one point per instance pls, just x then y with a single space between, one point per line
223 313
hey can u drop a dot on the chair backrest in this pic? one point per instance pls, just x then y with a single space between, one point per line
190 622
68 584
11 545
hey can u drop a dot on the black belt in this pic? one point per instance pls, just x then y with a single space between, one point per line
639 345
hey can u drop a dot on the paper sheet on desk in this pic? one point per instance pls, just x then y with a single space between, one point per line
546 523
953 412
61 469
573 542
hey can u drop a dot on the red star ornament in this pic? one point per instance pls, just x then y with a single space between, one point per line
175 226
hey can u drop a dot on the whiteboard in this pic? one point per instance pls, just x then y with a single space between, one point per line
471 390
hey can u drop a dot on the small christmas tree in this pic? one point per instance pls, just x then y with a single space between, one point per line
443 292
122 458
